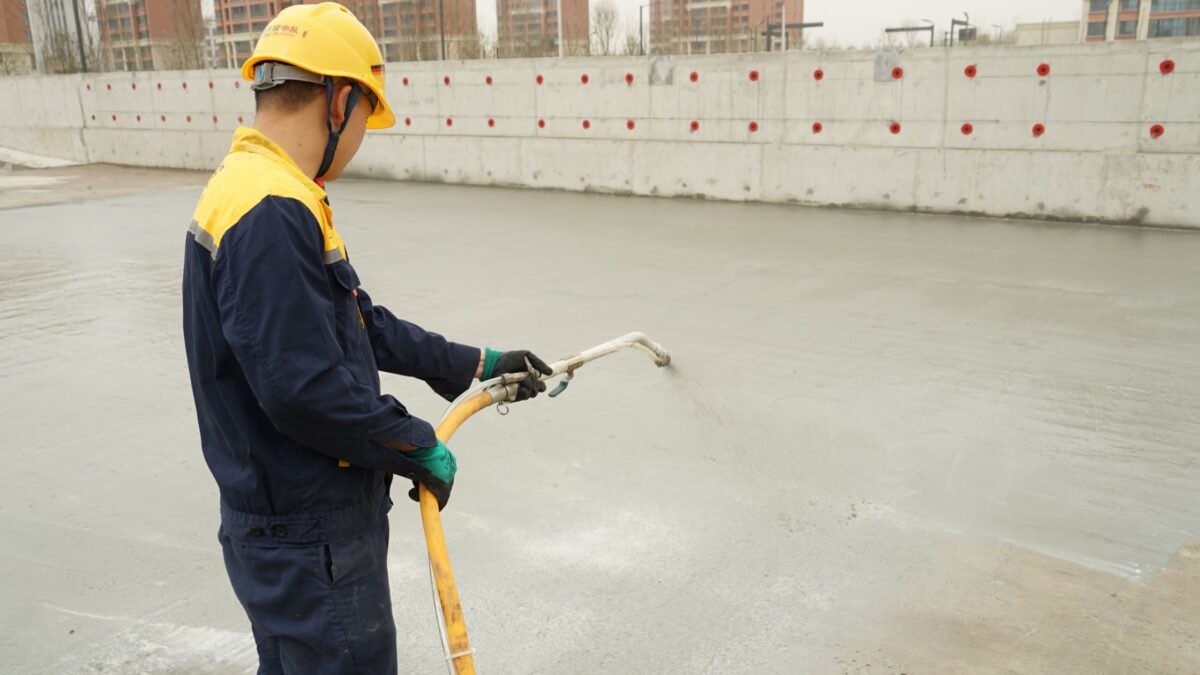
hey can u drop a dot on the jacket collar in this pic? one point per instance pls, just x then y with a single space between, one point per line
250 140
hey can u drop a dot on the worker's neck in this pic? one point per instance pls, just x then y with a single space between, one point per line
301 136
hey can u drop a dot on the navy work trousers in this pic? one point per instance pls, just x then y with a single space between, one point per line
320 607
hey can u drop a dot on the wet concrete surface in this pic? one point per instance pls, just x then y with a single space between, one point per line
20 186
889 443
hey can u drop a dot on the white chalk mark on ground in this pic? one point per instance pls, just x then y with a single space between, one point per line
159 646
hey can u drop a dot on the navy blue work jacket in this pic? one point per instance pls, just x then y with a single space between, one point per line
285 347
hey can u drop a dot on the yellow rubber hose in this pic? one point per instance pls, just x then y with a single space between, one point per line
435 541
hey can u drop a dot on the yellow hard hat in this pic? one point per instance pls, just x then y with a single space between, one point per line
324 40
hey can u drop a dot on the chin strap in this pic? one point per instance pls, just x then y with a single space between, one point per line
335 136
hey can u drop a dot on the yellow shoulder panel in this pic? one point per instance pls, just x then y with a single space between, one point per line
242 181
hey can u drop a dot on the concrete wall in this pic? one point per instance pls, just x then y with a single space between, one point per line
1096 160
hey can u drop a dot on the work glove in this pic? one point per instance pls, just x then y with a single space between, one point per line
497 363
440 467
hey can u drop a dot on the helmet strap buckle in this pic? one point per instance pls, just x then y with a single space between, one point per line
268 74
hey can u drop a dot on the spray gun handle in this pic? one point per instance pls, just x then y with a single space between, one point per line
504 388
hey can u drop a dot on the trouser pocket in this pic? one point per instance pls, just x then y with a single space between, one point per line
344 562
322 609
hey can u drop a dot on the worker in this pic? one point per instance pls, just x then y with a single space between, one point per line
284 348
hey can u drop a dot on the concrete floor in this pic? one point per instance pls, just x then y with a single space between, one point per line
890 443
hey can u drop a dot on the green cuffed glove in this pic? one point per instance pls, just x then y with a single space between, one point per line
497 363
440 467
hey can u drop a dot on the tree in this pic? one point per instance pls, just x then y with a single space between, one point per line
478 47
908 40
52 21
1001 36
822 44
631 44
186 50
605 23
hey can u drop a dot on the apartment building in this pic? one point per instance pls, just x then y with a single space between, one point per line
412 30
239 23
1111 20
530 27
720 26
150 34
1046 33
406 30
16 39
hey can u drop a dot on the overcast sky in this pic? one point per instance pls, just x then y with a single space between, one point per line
853 22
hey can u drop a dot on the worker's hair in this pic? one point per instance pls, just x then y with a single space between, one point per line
290 95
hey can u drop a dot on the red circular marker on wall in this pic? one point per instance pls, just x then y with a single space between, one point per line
1038 130
408 121
158 86
630 125
587 125
185 85
491 123
968 129
540 79
583 79
970 71
754 76
818 127
1157 131
114 118
210 84
93 118
236 85
133 85
1166 67
541 124
214 119
694 77
695 126
108 86
894 127
818 74
1043 69
162 118
139 118
449 122
404 81
240 120
88 86
446 80
753 126
628 78
488 80
897 73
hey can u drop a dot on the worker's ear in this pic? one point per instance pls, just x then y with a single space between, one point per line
337 111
